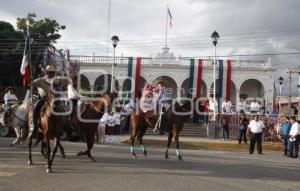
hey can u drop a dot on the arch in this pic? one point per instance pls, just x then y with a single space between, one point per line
171 86
103 83
84 83
126 85
232 91
185 88
252 88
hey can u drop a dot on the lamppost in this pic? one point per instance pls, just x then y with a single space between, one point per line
115 40
280 79
215 37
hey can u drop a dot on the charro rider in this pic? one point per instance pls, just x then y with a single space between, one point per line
9 99
43 85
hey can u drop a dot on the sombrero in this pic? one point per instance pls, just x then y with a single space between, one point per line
9 88
50 68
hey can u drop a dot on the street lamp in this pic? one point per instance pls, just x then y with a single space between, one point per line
115 40
215 37
280 79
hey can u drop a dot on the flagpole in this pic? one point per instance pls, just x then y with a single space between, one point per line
29 59
166 40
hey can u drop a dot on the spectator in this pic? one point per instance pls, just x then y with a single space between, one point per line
285 131
102 127
254 107
294 138
227 106
255 127
243 129
225 125
241 108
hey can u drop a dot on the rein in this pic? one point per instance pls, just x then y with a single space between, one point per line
94 107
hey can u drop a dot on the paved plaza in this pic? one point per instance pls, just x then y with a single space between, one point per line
115 169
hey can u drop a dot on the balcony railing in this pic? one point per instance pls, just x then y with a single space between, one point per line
169 61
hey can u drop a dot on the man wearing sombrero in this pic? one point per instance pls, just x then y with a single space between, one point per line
44 86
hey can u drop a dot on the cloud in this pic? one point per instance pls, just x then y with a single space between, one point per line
245 27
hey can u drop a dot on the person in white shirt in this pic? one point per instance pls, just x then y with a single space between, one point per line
255 107
9 99
102 127
74 96
241 107
294 138
256 128
227 106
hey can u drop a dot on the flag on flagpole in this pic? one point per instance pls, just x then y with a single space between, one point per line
25 68
170 17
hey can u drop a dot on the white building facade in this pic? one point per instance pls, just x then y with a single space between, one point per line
250 79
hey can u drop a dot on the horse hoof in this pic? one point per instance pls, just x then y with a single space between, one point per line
12 144
167 157
134 155
49 170
63 156
93 160
180 158
145 154
79 154
29 162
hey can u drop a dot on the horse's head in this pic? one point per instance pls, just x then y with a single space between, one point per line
103 103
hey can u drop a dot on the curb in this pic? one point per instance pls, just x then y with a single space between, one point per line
195 145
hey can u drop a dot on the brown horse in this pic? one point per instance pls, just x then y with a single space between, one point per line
171 122
52 121
89 119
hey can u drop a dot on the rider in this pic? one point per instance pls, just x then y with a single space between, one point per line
9 99
44 87
162 102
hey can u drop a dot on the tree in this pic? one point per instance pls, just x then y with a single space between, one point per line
11 45
43 33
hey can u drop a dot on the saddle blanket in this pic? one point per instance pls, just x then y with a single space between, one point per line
150 97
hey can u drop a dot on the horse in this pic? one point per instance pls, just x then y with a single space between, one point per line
18 121
52 119
89 119
171 123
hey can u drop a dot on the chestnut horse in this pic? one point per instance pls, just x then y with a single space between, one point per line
171 122
52 120
89 119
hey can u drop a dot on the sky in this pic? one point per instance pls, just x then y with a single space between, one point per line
245 27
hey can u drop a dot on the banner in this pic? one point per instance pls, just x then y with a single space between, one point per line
150 98
195 79
134 73
224 81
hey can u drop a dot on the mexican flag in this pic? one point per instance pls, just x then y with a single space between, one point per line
25 68
195 79
134 73
224 81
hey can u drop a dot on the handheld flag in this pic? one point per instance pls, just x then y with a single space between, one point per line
25 68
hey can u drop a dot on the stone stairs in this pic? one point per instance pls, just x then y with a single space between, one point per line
189 130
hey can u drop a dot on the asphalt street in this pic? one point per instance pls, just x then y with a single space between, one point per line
115 169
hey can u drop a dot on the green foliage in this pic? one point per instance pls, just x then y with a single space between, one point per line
42 31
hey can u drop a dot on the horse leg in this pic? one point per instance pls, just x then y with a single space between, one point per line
176 139
134 125
90 143
56 143
168 145
62 150
29 161
143 147
48 167
18 134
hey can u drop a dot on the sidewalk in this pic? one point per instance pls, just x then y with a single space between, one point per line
201 143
